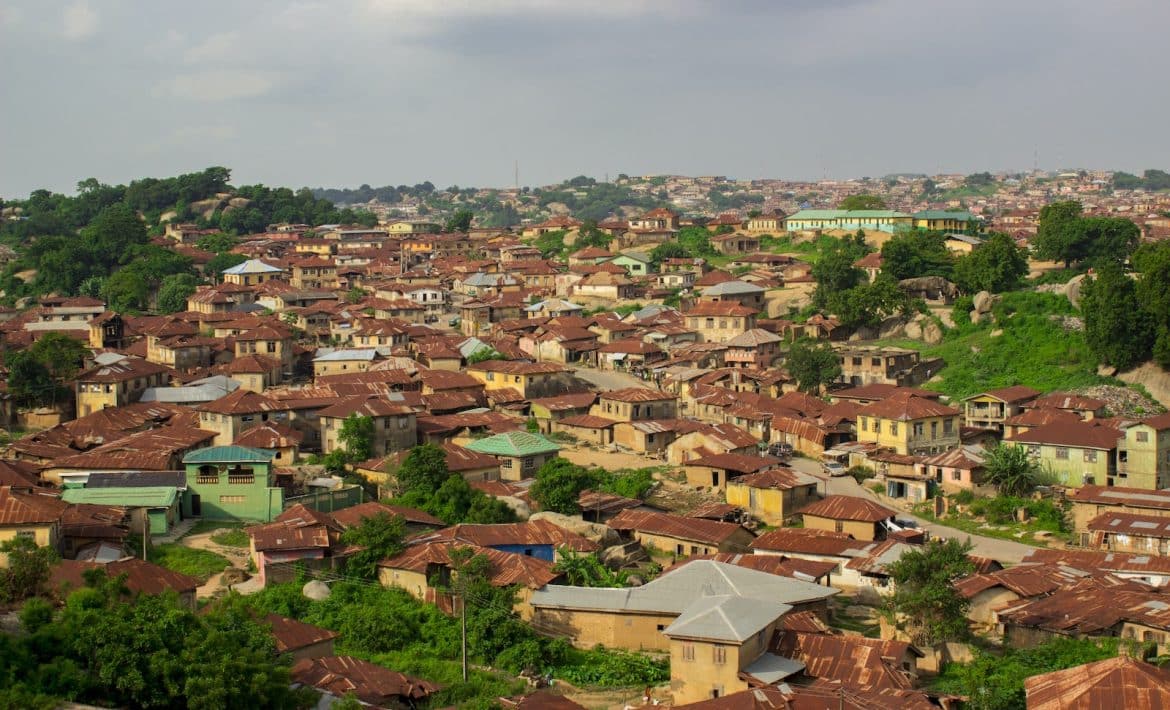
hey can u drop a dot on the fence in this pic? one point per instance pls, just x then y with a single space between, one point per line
328 501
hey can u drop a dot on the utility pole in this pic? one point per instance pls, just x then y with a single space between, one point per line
145 532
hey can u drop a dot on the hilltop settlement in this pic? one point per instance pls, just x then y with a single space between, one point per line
691 442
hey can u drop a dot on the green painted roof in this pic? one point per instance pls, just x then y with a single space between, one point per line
229 454
853 214
513 443
128 496
943 214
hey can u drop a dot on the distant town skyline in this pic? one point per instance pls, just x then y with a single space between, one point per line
401 91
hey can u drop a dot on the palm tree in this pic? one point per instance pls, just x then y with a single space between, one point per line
1011 470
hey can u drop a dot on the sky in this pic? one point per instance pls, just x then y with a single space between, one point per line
345 92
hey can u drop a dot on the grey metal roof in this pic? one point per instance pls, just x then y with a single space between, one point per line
206 390
771 668
346 354
729 288
673 592
135 479
726 618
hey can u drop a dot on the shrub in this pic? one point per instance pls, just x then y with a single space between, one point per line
861 473
964 497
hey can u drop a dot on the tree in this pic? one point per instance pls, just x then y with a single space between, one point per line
424 469
834 270
587 570
914 254
813 365
1058 237
357 437
485 353
28 569
354 295
217 243
862 202
866 305
379 537
997 265
460 221
559 483
29 381
1108 239
174 291
668 250
1011 470
226 260
1117 330
926 597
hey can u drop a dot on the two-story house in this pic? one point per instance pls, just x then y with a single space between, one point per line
909 424
395 426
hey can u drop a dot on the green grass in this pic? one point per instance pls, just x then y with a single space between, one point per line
206 526
234 537
201 564
1033 350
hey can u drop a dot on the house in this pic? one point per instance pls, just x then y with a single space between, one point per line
771 223
955 469
279 438
30 515
718 469
861 518
909 424
755 349
1089 502
540 539
547 410
989 410
735 243
706 440
604 286
635 618
299 640
252 272
719 645
1088 609
773 495
867 365
1143 454
1121 682
888 221
232 415
944 221
416 521
394 423
117 384
875 664
340 676
520 453
231 483
734 291
342 360
1078 453
680 536
629 356
298 535
636 404
871 264
719 321
140 577
529 379
585 428
636 263
472 465
1087 408
150 508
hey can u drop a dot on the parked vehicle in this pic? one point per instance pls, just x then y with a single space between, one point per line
835 469
780 451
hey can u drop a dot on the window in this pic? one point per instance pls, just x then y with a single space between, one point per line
956 475
1062 453
1033 450
688 651
1090 456
948 426
1142 436
491 377
876 362
403 422
26 534
894 428
839 526
877 426
919 429
232 499
720 654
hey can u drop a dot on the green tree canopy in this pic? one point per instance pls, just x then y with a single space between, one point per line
1117 330
357 437
1011 470
558 484
668 250
862 202
913 254
834 270
813 365
460 221
379 537
996 266
174 292
225 260
926 598
1057 235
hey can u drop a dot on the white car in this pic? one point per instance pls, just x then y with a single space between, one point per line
834 469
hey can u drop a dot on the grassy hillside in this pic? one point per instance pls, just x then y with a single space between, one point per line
1026 344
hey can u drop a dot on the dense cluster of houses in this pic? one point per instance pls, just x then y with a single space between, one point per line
474 343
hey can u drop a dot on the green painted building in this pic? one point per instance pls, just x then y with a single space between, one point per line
153 506
231 483
520 453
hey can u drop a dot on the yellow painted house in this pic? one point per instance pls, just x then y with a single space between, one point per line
909 424
1078 453
34 516
772 496
530 379
1143 459
943 221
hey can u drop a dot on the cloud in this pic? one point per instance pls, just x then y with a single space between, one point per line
216 48
208 86
79 21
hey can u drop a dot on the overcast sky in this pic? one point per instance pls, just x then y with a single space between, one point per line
341 93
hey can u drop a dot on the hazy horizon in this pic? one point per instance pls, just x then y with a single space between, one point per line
388 92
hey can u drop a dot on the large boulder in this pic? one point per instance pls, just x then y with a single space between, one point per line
913 330
931 333
984 302
519 507
623 556
316 590
601 534
1072 290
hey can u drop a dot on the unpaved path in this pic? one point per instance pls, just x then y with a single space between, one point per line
237 555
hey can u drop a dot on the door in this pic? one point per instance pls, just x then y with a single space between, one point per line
196 505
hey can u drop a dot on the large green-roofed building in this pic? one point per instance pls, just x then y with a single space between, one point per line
849 220
156 506
231 483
